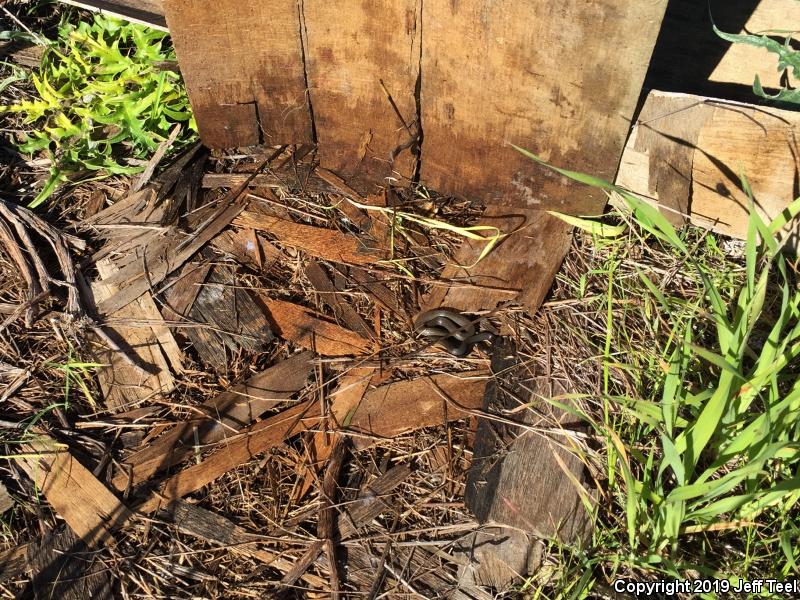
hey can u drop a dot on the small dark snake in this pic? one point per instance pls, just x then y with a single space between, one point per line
451 330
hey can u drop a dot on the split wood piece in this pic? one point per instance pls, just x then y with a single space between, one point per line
13 563
495 75
226 413
87 506
244 70
63 567
395 409
145 12
419 573
234 321
216 529
304 328
134 209
238 449
381 294
155 261
325 244
523 483
690 57
326 525
520 268
303 177
344 400
418 564
248 248
665 139
371 502
357 54
330 296
692 150
151 345
33 269
180 296
404 406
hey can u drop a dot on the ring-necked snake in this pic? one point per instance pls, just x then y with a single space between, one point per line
453 331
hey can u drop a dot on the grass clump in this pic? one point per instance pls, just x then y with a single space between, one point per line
697 420
104 101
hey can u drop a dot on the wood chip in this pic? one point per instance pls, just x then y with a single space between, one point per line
150 344
302 327
227 413
325 244
391 410
153 263
404 406
341 307
87 506
216 529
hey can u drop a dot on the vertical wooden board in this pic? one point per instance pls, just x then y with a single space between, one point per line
560 79
352 46
242 61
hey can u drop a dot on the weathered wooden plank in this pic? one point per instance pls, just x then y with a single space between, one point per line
226 413
331 297
560 80
517 502
404 406
353 50
327 244
216 529
299 325
124 384
235 321
691 151
520 269
63 567
394 409
242 61
146 12
87 506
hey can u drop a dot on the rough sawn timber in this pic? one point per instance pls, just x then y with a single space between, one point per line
242 61
558 79
356 52
689 152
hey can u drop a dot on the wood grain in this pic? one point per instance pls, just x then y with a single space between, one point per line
303 328
404 406
714 144
226 413
520 268
560 80
326 244
351 46
393 410
87 506
124 384
517 502
242 62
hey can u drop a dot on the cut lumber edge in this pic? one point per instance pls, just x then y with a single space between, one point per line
135 11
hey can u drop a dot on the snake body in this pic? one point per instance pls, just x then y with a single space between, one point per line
453 331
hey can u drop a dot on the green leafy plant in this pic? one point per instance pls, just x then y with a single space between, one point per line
712 444
104 101
788 60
